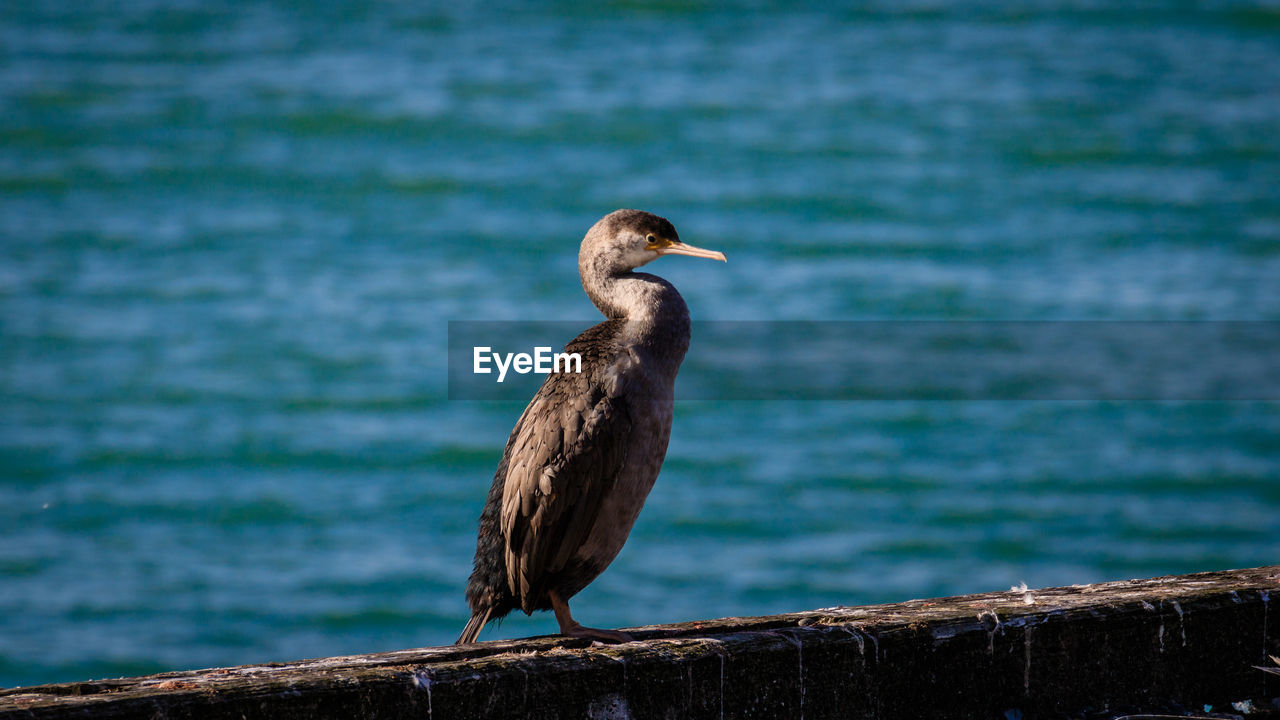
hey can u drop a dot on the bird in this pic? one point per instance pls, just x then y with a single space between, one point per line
585 453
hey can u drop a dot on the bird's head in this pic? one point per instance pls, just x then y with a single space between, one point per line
626 239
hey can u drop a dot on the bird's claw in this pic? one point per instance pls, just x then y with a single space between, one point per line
604 636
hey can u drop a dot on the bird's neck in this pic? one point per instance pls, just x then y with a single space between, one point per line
651 306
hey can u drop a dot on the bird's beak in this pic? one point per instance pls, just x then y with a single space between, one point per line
675 247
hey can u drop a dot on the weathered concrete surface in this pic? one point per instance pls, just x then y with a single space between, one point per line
1088 651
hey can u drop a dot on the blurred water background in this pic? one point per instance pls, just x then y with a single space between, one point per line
232 235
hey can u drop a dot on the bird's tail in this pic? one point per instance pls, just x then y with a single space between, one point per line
474 626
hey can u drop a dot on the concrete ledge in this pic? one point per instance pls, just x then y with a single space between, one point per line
1097 651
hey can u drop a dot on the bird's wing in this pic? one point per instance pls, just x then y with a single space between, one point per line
566 452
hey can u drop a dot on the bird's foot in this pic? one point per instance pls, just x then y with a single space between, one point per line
587 633
570 627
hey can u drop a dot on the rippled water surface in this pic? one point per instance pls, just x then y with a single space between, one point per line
232 235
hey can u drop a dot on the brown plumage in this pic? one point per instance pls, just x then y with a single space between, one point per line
584 455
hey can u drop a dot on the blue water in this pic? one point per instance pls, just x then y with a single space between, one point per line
232 235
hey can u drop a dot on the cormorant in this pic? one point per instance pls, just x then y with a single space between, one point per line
584 455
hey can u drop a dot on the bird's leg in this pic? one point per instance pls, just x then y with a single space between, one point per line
571 628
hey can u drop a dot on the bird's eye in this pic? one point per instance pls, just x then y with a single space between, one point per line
654 242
